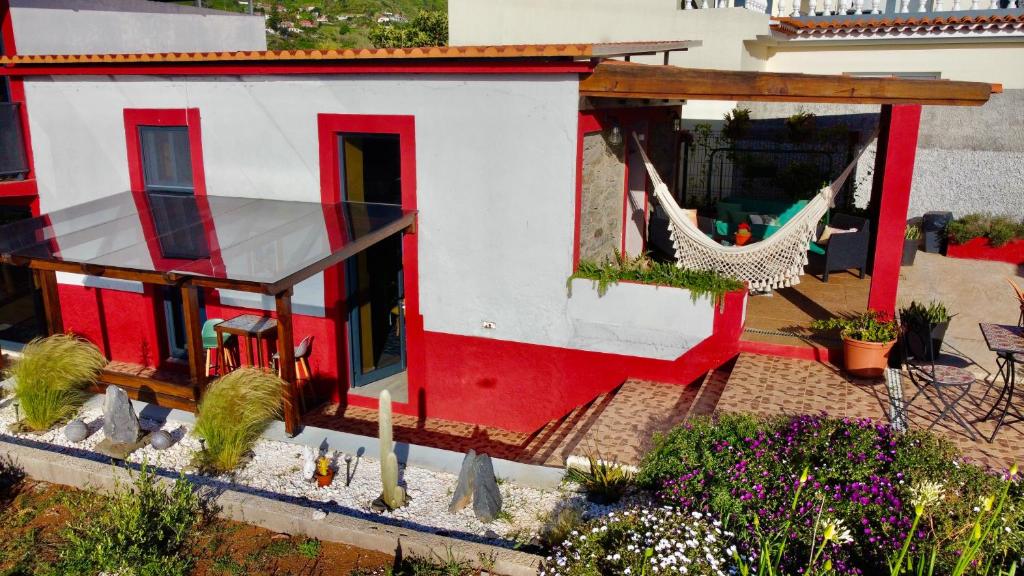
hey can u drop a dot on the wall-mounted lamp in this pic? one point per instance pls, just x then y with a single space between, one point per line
677 123
615 136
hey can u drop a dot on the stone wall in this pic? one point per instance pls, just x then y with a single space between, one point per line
969 159
601 199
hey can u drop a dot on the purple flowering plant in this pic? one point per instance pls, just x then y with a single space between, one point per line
860 475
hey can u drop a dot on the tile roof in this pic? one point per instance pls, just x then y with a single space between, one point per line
574 51
818 25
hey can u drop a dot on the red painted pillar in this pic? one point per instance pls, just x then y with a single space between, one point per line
890 198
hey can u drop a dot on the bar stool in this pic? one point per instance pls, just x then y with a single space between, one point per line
302 371
210 346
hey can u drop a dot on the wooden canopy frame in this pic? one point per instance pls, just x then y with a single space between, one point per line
629 80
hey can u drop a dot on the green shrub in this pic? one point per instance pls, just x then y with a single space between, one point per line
604 482
233 413
559 524
646 271
737 123
866 327
998 229
50 378
144 529
1002 230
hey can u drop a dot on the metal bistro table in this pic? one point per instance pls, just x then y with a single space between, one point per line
1007 342
250 327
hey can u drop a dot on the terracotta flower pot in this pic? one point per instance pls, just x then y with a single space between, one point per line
326 479
866 359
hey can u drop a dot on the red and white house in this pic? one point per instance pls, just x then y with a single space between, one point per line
151 161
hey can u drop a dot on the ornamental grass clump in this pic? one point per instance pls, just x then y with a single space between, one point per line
645 541
234 412
51 377
787 479
604 482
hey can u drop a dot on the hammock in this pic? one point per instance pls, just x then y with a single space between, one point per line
775 262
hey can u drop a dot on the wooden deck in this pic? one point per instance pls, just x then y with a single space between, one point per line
160 387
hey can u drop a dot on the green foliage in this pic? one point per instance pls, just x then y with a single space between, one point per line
866 327
143 530
643 270
998 229
919 314
50 378
425 29
234 412
559 524
913 232
604 482
801 127
802 180
309 548
737 123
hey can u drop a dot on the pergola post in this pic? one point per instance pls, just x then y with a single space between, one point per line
47 282
286 360
194 338
890 199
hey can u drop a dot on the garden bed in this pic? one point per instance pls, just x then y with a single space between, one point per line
982 249
274 471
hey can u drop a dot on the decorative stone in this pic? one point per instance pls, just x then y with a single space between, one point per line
464 488
120 423
319 515
76 431
120 426
160 440
486 496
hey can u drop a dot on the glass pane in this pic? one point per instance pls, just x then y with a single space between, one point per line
370 168
166 158
20 314
13 161
176 217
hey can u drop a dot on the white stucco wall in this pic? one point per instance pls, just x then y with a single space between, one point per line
129 26
495 172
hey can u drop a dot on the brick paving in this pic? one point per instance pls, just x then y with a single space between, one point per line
768 385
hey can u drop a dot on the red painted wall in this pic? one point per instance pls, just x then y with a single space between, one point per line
981 249
124 325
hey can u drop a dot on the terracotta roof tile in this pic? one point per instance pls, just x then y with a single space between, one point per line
791 25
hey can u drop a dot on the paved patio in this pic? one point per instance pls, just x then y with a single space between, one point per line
767 385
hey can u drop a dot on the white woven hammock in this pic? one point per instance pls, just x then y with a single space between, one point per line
775 262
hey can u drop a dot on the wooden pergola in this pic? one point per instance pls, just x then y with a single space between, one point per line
62 241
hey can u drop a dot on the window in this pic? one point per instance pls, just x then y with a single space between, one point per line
170 188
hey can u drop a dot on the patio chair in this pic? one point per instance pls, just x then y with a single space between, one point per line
302 371
210 346
843 251
1020 299
943 374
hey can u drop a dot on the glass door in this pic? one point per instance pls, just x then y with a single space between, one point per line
370 172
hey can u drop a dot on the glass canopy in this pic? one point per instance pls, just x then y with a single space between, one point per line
219 241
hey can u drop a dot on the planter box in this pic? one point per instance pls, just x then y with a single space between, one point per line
909 252
980 249
638 319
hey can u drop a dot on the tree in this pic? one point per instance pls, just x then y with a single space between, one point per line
426 29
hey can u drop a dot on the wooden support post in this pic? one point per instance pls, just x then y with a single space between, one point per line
286 360
890 199
47 282
194 339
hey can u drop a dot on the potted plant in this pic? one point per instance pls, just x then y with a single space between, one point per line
324 472
927 322
867 340
911 241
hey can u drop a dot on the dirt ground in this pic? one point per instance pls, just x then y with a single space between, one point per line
34 517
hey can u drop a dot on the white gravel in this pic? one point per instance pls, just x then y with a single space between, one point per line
275 472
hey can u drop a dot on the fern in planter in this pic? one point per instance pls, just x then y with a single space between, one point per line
644 270
867 327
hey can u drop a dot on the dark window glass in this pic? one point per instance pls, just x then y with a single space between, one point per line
177 221
166 158
370 168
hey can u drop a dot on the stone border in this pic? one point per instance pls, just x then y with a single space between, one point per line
282 517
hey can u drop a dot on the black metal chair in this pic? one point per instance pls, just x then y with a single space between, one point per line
943 374
844 251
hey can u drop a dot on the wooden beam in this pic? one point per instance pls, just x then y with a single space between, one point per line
613 79
286 360
194 338
47 282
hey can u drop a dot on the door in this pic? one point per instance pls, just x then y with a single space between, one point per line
370 172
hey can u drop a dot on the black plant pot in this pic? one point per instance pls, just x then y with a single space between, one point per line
916 344
909 252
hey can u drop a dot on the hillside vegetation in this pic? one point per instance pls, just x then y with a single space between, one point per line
323 24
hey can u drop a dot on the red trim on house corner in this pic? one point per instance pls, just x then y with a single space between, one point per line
817 354
328 127
7 28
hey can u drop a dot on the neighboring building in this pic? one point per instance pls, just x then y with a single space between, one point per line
174 187
961 167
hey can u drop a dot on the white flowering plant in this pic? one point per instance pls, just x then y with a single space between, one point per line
643 542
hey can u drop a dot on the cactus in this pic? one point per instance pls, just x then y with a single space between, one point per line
393 495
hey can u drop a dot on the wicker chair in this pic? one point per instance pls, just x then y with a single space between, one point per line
844 251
